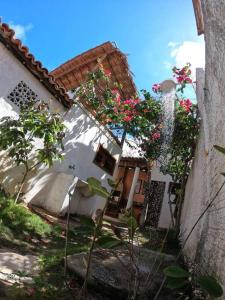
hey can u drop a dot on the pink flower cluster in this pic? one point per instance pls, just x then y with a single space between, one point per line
183 75
155 136
186 104
126 108
156 88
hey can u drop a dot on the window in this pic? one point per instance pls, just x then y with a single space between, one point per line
104 160
22 95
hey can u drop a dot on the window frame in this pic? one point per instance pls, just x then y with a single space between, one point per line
106 153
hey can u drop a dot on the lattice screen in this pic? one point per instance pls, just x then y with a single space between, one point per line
22 95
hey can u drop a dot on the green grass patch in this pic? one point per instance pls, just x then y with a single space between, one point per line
18 219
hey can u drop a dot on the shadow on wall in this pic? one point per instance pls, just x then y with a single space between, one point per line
83 137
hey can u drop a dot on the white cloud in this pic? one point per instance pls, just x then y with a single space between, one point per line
20 30
188 51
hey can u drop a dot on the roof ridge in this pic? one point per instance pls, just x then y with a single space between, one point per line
82 54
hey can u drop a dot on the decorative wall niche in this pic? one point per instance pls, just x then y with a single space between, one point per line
22 95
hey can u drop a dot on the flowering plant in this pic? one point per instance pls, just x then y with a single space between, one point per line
182 76
142 117
138 117
186 104
156 88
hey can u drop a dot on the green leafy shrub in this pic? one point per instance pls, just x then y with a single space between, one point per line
20 220
178 278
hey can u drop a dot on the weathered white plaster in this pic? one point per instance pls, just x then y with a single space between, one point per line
83 137
206 245
165 217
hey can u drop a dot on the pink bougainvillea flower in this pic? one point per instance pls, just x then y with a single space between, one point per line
183 75
186 104
136 101
156 88
188 80
127 118
156 136
128 101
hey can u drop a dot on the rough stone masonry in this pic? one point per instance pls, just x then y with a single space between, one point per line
206 247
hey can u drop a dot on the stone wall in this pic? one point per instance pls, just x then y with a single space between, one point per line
206 246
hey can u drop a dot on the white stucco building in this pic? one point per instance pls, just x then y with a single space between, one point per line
87 143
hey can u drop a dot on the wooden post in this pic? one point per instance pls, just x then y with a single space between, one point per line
132 189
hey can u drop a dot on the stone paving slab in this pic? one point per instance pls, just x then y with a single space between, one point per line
111 271
11 263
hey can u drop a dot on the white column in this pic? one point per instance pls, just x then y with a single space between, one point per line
132 189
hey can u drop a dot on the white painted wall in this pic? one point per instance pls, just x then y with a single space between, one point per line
45 187
165 217
196 193
13 71
82 140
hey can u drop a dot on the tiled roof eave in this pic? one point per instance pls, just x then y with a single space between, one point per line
35 67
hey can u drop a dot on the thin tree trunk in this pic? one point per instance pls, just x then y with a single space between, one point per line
22 184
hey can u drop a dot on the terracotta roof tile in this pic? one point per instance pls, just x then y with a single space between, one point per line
73 72
198 16
7 37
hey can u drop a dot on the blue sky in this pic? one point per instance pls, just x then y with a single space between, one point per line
155 33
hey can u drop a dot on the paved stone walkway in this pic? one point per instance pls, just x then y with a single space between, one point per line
12 263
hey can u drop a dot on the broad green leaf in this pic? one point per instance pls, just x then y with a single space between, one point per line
220 149
210 285
176 272
108 242
87 221
176 283
96 187
111 182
